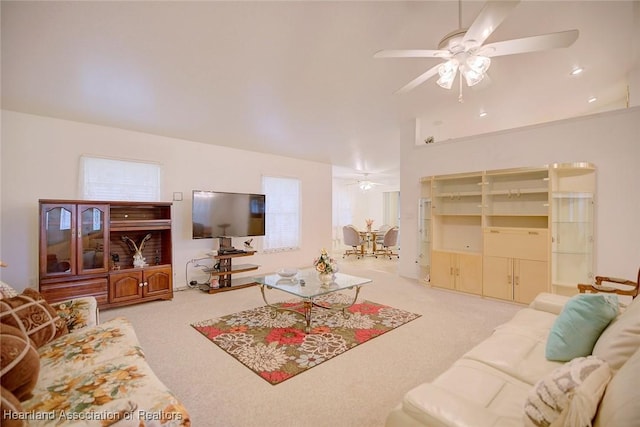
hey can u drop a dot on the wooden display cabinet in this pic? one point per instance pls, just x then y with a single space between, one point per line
82 252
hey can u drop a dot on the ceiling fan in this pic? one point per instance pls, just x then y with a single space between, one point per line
365 184
463 49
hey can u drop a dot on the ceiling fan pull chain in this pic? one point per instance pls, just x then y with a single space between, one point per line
460 99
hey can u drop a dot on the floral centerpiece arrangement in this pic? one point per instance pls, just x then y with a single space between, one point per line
324 264
369 223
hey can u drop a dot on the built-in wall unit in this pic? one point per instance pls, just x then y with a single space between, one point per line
508 234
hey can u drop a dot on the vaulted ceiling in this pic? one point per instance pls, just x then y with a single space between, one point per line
298 78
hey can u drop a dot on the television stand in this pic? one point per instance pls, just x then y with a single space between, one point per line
226 269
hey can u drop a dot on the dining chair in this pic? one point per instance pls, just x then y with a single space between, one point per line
351 237
381 232
389 241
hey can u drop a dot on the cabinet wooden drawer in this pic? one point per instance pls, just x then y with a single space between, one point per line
530 244
60 291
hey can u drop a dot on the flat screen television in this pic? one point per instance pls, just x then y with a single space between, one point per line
219 214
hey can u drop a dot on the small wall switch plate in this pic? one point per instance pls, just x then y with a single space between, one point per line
177 196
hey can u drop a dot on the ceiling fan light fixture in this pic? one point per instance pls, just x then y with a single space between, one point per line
447 72
478 63
366 185
472 77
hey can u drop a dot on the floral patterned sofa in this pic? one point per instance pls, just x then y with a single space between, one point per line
88 374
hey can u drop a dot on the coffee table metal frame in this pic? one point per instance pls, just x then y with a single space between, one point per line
307 286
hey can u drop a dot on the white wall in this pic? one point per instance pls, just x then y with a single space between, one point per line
40 158
611 141
634 73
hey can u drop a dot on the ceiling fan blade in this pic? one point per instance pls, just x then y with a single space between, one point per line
490 17
419 80
530 44
412 53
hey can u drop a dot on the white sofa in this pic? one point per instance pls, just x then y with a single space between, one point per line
490 384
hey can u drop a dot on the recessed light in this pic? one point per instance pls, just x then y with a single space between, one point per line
592 99
483 113
577 71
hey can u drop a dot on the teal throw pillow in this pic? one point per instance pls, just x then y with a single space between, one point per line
579 325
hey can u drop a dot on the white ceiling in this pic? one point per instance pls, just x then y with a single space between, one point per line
298 78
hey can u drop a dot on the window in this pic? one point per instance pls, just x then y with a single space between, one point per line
111 179
282 210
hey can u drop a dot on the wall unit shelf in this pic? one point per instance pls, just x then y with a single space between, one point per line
512 232
82 251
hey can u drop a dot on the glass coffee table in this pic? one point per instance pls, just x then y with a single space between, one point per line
307 286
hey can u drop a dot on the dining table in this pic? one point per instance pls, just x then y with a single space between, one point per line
369 240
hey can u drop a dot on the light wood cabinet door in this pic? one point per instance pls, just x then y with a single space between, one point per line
459 271
468 273
497 273
442 270
530 278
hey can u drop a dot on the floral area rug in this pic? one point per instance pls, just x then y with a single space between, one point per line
277 348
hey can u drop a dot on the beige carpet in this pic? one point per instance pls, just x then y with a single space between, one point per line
358 388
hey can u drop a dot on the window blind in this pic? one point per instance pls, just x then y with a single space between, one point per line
111 179
282 209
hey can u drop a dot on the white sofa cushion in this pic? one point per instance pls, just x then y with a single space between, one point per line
470 393
621 339
517 347
534 323
551 303
568 396
620 405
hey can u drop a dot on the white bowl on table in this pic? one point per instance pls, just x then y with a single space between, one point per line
287 273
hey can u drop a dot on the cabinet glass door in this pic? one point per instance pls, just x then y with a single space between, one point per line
572 239
91 234
58 241
424 251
